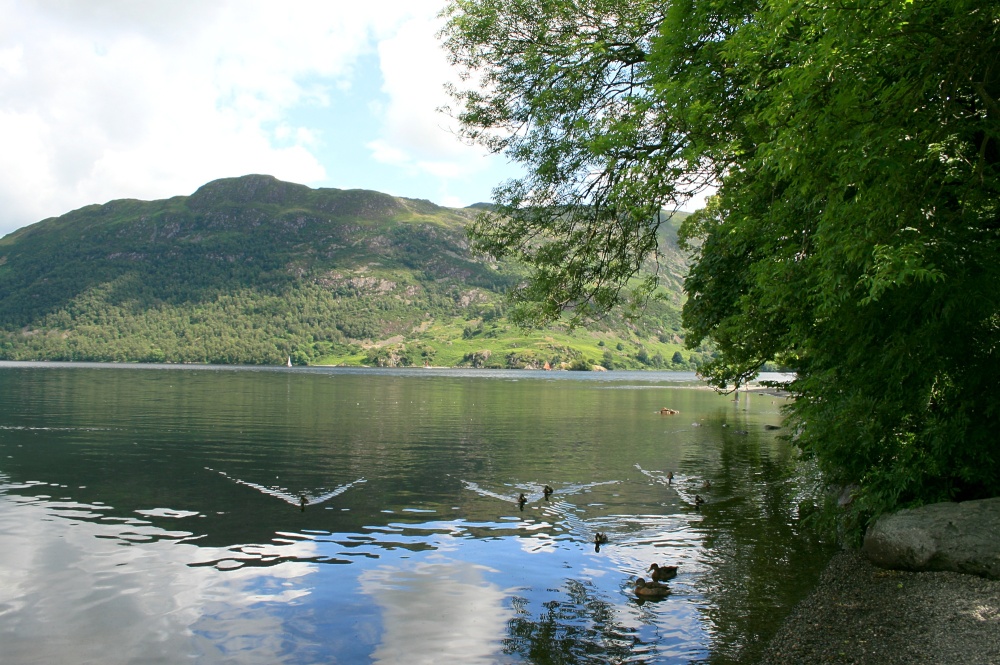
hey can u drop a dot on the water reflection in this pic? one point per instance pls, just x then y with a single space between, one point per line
169 504
80 586
300 499
442 610
581 629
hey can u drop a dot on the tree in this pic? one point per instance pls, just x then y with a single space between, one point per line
643 355
854 239
566 88
855 231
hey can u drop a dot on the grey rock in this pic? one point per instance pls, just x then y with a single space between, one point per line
846 495
960 537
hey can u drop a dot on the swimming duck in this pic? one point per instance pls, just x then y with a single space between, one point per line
303 502
600 538
707 484
547 491
662 573
521 500
646 589
670 477
698 501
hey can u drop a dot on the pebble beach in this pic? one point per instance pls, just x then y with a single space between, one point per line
863 615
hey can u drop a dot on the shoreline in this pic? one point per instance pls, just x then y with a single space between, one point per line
859 614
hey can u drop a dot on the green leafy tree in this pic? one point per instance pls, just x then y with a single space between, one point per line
643 356
854 241
566 89
854 237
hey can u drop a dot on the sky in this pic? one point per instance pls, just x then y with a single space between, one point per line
148 99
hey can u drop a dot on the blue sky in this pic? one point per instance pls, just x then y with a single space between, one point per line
147 99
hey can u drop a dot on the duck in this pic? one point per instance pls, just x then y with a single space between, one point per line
662 573
668 412
646 589
521 500
547 491
670 477
698 501
600 538
303 502
707 484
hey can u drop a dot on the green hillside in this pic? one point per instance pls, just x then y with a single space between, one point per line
254 270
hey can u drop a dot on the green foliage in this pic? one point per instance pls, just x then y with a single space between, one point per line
855 232
565 90
856 242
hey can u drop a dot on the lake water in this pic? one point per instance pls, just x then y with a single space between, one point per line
152 514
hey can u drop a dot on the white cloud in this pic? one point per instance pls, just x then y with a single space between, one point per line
112 98
446 170
11 61
384 153
415 69
697 201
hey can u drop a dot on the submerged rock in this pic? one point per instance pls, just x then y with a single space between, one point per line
961 537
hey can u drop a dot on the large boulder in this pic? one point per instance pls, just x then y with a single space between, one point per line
961 537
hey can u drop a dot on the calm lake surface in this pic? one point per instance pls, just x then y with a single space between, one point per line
151 514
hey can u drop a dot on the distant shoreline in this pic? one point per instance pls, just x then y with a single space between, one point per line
697 383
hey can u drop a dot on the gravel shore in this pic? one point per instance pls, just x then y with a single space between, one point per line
863 615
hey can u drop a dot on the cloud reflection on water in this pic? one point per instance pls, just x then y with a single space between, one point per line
441 611
73 588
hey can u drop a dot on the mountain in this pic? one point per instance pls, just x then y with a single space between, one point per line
254 270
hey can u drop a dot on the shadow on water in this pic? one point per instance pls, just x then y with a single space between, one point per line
760 561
